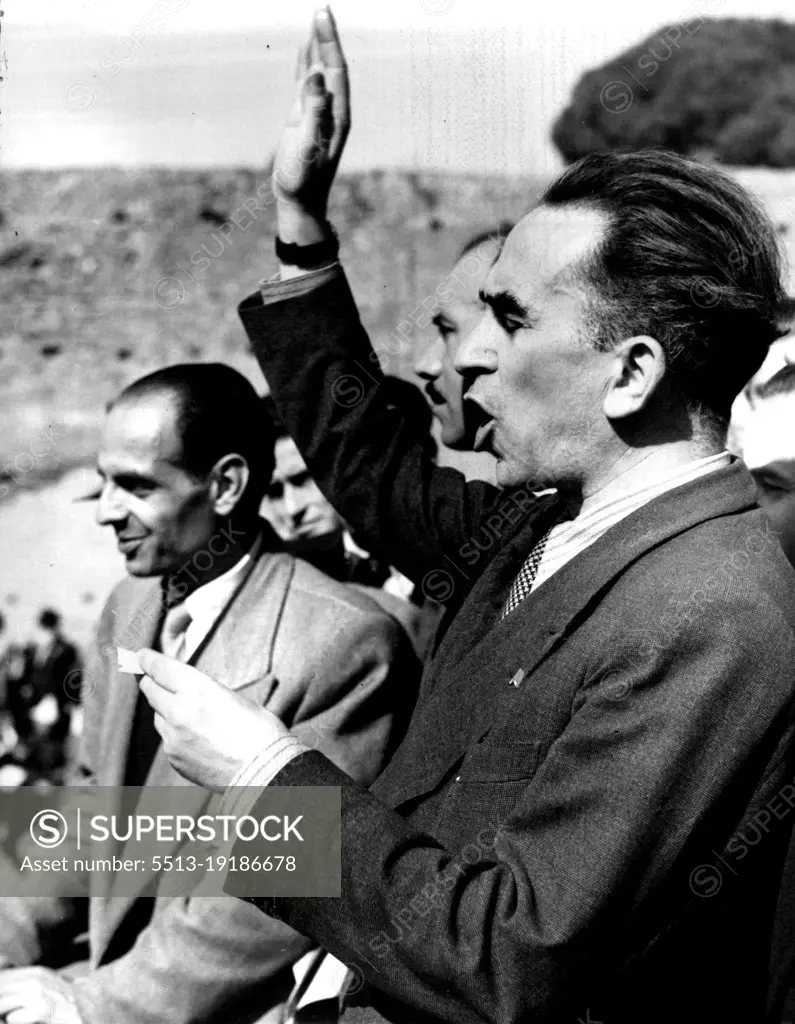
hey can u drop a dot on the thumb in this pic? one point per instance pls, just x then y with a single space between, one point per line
316 98
315 84
162 670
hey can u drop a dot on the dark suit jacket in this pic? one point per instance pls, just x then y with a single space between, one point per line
58 674
329 662
581 821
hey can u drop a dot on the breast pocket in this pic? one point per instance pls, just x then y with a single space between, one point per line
494 761
486 787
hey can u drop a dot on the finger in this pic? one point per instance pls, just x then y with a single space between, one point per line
16 975
160 724
161 669
25 1015
337 78
327 39
159 699
11 999
302 64
314 46
316 116
13 989
301 71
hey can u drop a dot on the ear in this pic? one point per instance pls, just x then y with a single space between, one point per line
229 478
637 371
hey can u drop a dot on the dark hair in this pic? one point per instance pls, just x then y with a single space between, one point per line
217 412
690 259
49 619
497 234
785 318
781 383
275 423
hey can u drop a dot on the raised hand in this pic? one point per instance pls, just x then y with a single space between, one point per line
314 137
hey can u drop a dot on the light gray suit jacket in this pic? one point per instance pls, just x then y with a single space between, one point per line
334 667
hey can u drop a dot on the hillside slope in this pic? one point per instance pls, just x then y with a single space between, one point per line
107 275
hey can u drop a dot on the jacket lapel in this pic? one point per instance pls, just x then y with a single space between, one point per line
139 629
462 674
465 693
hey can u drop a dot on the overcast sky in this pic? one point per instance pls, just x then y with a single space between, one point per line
452 84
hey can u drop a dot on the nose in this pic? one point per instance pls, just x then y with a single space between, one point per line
110 508
428 363
477 353
294 503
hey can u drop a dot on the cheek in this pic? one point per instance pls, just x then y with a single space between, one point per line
278 511
326 509
144 515
313 497
179 523
272 510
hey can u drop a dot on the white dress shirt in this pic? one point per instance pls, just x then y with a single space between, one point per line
207 602
572 536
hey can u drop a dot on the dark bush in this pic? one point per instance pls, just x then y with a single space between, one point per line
720 89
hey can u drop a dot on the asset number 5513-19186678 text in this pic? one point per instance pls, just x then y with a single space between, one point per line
244 863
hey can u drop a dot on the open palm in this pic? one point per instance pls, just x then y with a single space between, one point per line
314 137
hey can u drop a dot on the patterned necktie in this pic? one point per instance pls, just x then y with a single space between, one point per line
144 738
524 581
173 635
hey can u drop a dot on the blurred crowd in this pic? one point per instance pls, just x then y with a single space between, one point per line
40 684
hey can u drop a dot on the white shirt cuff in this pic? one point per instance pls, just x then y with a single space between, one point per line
277 289
246 787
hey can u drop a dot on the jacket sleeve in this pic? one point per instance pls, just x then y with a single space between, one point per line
372 463
609 828
200 959
361 691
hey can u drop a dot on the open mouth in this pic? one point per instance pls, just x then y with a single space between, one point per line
434 397
479 424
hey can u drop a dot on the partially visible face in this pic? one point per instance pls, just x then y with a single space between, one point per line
764 438
162 516
537 383
781 352
42 637
459 312
295 505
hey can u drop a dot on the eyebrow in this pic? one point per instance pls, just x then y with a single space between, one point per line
505 304
127 476
439 319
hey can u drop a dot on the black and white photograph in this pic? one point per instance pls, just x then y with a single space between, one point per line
397 512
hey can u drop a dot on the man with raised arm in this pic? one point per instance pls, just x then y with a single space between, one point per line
587 817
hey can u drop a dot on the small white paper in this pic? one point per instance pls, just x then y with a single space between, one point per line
128 662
